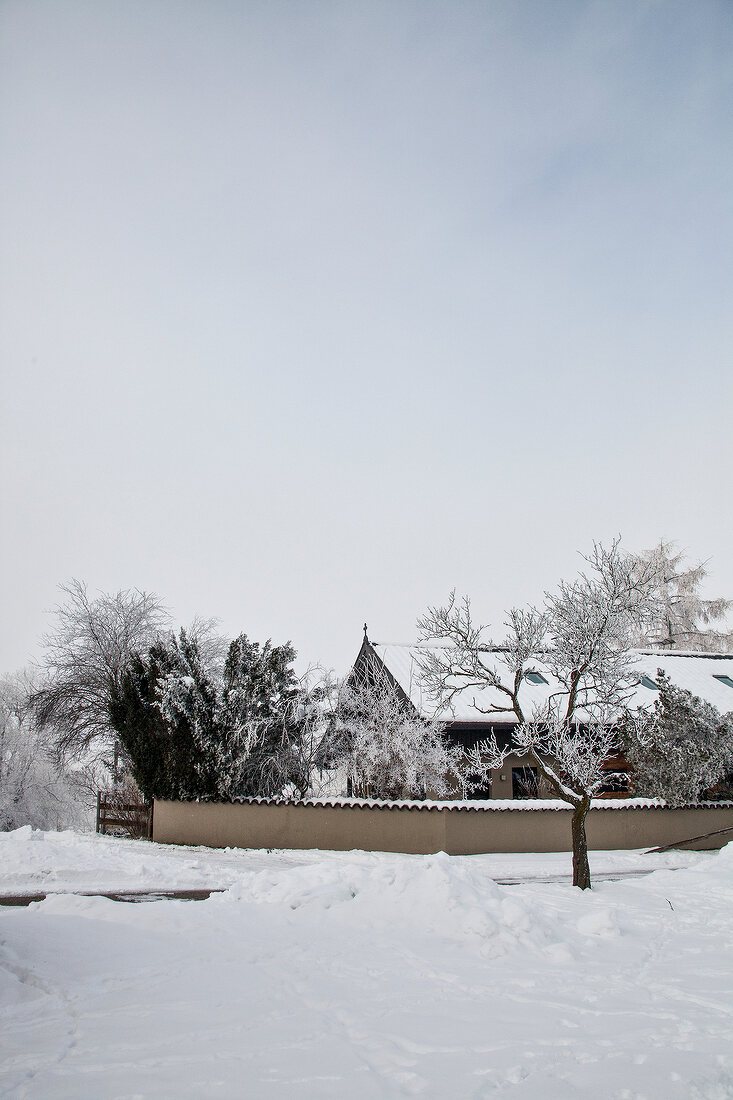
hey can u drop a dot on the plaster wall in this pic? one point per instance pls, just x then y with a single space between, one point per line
417 830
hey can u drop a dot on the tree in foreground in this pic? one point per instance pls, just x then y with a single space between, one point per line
582 637
681 748
386 750
684 620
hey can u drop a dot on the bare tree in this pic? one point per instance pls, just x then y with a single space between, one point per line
684 619
581 636
85 656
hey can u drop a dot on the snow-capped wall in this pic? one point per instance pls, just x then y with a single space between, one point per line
423 828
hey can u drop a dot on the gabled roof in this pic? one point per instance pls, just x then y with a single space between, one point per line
695 672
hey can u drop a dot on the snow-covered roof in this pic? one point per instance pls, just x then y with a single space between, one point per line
695 672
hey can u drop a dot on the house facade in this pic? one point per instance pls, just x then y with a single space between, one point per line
469 719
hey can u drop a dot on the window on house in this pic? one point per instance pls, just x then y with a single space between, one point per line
524 783
647 682
480 790
535 678
614 782
724 680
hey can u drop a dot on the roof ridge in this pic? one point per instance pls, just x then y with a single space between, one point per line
699 654
696 653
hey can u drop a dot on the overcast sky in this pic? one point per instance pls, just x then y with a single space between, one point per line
312 311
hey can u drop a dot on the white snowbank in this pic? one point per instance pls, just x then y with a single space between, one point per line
32 861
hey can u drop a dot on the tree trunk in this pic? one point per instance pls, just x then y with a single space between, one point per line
581 868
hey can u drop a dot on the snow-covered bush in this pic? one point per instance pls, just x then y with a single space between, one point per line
679 749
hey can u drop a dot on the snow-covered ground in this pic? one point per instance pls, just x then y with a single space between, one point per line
32 861
321 974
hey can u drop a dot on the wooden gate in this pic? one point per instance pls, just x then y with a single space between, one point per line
117 815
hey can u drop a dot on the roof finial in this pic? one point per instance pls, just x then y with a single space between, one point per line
365 631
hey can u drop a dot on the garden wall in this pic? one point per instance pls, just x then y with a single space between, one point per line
422 828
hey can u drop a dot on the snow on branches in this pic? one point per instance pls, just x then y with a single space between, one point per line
683 619
581 636
36 786
570 758
680 749
85 656
196 731
387 750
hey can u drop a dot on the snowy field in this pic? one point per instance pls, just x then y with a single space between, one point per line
320 974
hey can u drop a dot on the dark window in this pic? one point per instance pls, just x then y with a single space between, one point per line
614 782
724 680
481 791
647 682
524 783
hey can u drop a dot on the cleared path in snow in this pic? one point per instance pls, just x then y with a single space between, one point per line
203 895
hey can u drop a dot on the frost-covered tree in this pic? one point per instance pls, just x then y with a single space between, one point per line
386 750
164 713
581 636
36 788
84 659
191 732
259 705
679 749
684 619
306 764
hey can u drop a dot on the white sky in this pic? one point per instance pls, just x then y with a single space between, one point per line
312 311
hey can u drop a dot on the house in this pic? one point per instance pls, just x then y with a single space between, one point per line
470 719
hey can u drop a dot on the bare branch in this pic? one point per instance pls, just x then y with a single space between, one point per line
580 640
85 656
